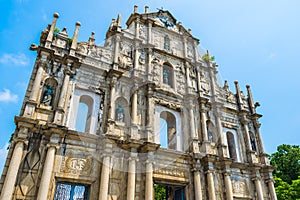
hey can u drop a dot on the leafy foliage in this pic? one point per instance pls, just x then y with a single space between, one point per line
287 173
208 58
56 30
287 162
160 192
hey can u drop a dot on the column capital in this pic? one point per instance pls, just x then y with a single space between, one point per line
256 178
210 171
227 173
269 180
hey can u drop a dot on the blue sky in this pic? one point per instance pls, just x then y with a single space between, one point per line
255 42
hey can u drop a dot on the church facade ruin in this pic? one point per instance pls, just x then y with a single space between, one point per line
140 117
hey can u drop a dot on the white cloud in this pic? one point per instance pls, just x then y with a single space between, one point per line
6 96
3 154
14 59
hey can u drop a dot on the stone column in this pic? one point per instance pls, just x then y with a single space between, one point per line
47 174
197 185
272 189
196 51
211 185
192 123
203 124
228 186
150 113
258 188
116 50
149 31
189 84
37 83
136 58
12 172
149 181
131 177
134 106
246 133
223 148
112 100
104 178
62 98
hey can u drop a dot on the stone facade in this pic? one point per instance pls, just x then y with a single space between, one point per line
114 121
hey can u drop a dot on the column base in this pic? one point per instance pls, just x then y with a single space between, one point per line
58 117
206 148
264 159
195 146
29 109
134 132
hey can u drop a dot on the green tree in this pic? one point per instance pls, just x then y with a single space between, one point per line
159 192
287 162
283 190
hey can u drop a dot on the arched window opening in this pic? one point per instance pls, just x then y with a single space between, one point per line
167 75
231 145
120 113
167 43
168 128
84 114
252 141
163 133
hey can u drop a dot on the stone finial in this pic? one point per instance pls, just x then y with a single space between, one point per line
190 31
92 39
51 31
226 87
64 32
207 53
135 10
119 20
250 99
238 94
146 9
75 37
56 15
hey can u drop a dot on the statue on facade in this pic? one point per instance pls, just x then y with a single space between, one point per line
48 96
120 115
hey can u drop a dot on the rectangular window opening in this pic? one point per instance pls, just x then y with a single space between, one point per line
168 192
71 191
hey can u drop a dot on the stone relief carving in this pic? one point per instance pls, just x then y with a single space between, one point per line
156 40
125 62
180 83
99 52
125 58
60 43
77 166
227 117
190 50
27 182
169 104
142 31
142 57
156 70
204 83
240 187
82 48
170 171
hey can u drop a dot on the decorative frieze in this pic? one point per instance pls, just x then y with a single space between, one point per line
77 166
